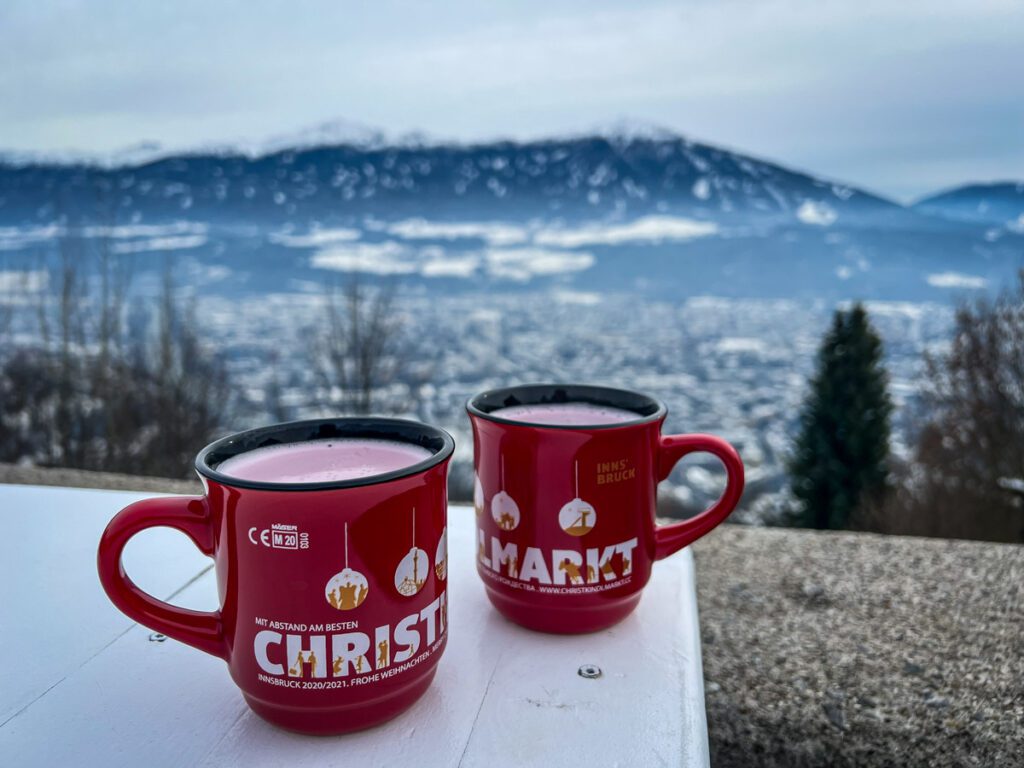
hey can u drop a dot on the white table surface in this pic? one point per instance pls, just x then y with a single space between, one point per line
81 684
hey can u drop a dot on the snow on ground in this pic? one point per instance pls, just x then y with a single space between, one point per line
816 213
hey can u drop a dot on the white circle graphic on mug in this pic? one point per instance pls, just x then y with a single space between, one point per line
441 556
478 495
411 573
346 589
504 509
578 517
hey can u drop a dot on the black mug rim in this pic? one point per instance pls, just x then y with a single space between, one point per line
434 439
482 404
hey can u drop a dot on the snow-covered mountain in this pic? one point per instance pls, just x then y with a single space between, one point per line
336 171
998 204
622 209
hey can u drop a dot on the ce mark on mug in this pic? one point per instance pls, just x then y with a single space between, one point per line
279 536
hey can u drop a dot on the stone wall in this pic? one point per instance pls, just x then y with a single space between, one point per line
851 649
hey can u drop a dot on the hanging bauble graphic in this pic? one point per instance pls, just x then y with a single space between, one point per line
478 496
441 556
348 588
505 511
411 573
577 517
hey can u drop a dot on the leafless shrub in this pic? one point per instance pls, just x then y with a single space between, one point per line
968 468
99 392
358 352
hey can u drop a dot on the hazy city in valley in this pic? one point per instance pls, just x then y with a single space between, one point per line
633 257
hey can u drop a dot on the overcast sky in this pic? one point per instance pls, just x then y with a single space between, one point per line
902 96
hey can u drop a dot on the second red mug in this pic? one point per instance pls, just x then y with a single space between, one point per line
566 532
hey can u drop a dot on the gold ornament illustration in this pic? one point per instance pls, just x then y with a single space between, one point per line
441 556
478 495
608 569
300 662
346 589
572 571
509 564
504 509
411 573
578 517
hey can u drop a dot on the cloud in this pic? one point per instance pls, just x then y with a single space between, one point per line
956 280
493 233
459 266
123 231
315 238
578 298
15 284
781 78
182 243
649 229
16 238
388 258
521 264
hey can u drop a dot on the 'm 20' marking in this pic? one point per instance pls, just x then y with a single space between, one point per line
279 536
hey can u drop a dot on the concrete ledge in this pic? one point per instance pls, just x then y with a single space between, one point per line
77 478
862 650
840 649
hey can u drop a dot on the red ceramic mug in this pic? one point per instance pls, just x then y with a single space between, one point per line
312 624
566 514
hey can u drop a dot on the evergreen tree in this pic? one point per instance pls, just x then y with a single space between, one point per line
841 454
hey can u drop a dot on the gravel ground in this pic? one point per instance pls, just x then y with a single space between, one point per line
846 649
832 649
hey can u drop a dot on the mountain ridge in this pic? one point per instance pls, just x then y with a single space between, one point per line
343 134
611 174
635 210
1000 203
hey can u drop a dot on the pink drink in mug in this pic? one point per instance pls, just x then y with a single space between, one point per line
323 461
566 414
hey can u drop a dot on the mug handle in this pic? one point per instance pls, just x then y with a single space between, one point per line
188 514
671 448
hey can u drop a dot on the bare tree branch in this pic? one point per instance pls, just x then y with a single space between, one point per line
358 352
